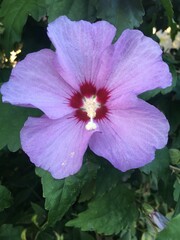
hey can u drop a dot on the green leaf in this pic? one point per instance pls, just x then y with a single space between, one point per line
8 232
177 208
160 165
176 140
74 9
11 121
122 14
5 198
86 236
172 231
109 213
60 195
86 193
14 14
40 215
108 177
167 4
177 88
150 94
76 234
5 73
174 116
168 7
176 193
175 156
45 236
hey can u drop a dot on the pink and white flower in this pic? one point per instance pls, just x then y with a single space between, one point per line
88 92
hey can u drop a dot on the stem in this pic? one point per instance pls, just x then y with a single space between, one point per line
174 169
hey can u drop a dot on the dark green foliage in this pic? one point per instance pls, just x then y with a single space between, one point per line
6 199
14 15
160 166
122 14
11 121
60 195
107 214
74 9
8 232
172 232
99 202
167 4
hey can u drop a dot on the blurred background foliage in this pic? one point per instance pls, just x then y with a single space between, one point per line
100 202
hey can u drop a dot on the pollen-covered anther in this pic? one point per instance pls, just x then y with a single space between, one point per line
90 105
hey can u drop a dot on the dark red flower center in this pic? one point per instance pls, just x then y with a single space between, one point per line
90 102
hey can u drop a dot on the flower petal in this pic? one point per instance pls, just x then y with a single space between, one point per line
131 136
57 146
79 46
35 82
136 65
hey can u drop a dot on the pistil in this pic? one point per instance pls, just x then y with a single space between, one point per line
90 105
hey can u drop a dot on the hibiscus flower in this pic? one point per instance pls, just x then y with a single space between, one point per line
88 90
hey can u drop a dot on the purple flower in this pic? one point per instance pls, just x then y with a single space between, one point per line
88 91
